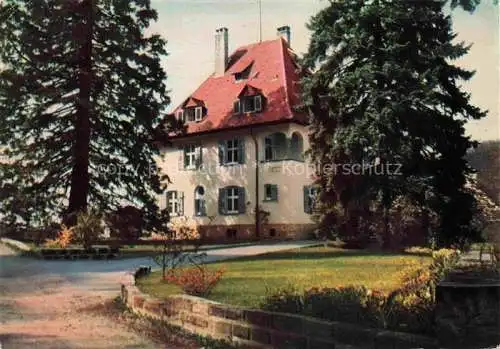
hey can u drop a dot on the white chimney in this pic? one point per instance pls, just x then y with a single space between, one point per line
221 51
285 33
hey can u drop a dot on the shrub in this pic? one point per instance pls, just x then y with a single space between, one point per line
197 281
63 238
88 228
126 224
410 308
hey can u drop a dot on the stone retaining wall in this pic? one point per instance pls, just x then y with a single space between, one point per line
252 328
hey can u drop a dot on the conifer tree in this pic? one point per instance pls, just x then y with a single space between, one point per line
82 94
383 92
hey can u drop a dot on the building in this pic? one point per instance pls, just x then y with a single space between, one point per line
243 150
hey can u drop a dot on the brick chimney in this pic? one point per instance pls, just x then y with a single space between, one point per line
221 51
285 33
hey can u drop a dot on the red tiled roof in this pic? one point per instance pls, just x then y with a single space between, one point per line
273 72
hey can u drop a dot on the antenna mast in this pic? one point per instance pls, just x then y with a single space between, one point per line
260 20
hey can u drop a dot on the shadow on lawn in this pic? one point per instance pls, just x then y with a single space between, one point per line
318 254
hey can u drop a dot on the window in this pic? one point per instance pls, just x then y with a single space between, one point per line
244 74
193 114
252 104
180 115
270 192
232 200
192 156
231 152
275 147
199 202
175 203
310 198
297 147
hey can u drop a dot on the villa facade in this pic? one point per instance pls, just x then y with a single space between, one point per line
239 170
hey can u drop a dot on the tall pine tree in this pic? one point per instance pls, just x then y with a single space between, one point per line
82 94
383 91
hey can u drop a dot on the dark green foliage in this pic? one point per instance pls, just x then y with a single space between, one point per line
382 92
80 117
485 159
126 224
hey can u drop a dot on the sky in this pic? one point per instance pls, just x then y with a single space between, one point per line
189 27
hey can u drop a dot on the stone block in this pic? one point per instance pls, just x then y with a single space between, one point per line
240 331
258 318
200 308
280 340
260 335
217 310
352 334
318 329
287 323
314 343
222 328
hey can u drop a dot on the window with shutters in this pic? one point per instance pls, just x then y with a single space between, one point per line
192 156
248 104
310 198
270 192
191 114
275 147
199 202
175 203
232 200
231 151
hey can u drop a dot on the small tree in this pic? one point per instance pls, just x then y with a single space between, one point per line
126 224
178 235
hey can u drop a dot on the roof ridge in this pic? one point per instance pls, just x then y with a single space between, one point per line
285 77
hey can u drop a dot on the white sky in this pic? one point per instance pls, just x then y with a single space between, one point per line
189 26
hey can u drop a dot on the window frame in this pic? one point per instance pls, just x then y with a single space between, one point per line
174 203
273 197
234 150
192 155
200 202
232 196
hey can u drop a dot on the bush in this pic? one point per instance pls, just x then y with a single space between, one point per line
410 308
88 228
63 239
126 224
198 281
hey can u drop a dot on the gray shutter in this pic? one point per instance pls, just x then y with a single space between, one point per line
199 156
274 192
180 115
222 152
241 200
307 206
182 164
236 107
222 201
198 111
258 103
241 150
180 199
203 204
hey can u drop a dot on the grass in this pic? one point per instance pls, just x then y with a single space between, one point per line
247 280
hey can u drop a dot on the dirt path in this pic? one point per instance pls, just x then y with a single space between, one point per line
44 311
59 304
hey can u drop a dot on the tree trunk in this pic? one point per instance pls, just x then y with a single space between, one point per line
80 173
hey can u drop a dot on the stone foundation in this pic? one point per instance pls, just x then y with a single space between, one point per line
247 232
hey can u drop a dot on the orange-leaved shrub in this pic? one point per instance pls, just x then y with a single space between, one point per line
196 281
63 239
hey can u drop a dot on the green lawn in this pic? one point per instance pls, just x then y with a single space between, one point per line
247 280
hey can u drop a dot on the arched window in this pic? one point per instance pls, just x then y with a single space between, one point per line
297 147
199 202
275 147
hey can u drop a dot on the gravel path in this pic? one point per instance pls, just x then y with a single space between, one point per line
50 304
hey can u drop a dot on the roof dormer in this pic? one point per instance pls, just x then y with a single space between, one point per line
192 110
250 100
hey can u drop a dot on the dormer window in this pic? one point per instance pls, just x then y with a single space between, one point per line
248 104
244 74
191 114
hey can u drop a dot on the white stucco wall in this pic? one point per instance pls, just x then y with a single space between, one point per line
290 176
